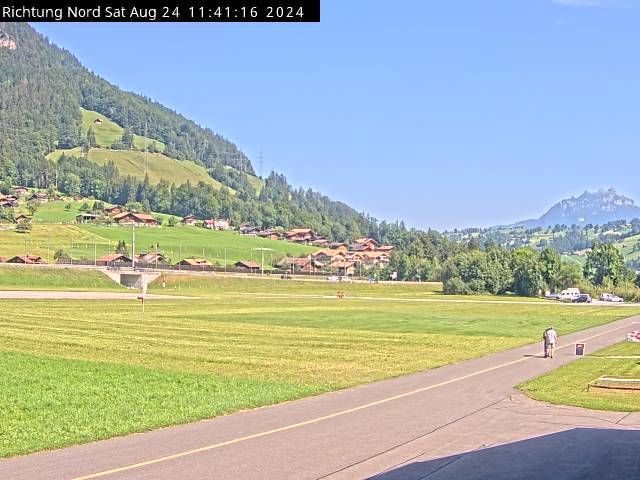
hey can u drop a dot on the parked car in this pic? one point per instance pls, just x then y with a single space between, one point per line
332 278
610 297
582 298
286 276
552 296
345 278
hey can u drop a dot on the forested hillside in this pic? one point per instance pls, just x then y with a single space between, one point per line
44 88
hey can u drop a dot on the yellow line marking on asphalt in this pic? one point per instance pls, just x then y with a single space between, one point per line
320 419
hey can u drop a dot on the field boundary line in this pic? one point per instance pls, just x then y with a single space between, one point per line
340 413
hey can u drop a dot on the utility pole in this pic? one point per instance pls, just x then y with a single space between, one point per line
133 245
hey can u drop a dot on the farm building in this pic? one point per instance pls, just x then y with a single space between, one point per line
247 229
128 218
300 235
21 218
115 210
189 220
27 259
113 259
195 262
300 265
153 258
216 224
20 190
270 234
248 265
86 218
39 197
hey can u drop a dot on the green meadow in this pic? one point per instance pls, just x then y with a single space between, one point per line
568 384
239 343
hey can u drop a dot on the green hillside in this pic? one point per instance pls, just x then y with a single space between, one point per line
109 132
159 166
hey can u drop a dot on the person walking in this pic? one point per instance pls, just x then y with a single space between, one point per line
552 339
546 343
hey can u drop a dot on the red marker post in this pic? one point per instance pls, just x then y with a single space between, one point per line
141 298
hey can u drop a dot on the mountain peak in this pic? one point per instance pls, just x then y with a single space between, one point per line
601 206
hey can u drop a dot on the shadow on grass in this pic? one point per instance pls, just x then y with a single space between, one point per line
576 454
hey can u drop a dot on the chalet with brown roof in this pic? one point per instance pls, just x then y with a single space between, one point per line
189 220
344 268
321 242
300 265
366 241
39 197
115 210
338 246
247 229
113 259
97 121
27 259
270 234
328 255
300 235
129 218
8 202
248 265
385 248
20 190
21 218
196 262
4 259
151 258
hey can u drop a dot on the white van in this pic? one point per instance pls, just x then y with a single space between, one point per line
569 294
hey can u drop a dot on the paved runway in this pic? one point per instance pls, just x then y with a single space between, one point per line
456 422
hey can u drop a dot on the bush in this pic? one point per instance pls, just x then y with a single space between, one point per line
455 286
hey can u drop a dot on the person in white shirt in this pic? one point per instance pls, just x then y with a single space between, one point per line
552 339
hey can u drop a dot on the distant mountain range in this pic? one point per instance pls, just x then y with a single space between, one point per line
591 207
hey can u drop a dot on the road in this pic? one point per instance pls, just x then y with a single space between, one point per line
463 421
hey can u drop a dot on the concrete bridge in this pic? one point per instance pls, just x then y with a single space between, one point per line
130 277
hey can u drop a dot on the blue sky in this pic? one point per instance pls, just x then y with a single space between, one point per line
443 114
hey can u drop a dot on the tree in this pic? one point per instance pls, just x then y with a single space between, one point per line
121 248
550 264
32 206
91 138
527 275
84 207
173 221
60 256
605 261
569 275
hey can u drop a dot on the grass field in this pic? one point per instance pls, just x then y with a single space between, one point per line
109 132
16 277
245 348
568 384
159 166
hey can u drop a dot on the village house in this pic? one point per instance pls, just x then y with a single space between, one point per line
300 265
8 202
21 218
216 224
115 210
338 246
113 259
27 259
249 265
189 220
86 217
4 259
300 235
327 255
343 268
129 218
248 229
151 258
385 248
20 190
39 197
97 121
195 262
270 234
321 242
